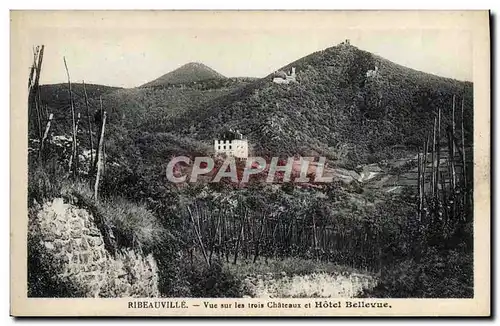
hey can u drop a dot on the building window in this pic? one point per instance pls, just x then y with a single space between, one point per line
229 146
224 146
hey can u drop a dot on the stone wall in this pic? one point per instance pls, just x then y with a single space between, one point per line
70 236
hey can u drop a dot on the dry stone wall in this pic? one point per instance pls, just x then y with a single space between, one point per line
71 237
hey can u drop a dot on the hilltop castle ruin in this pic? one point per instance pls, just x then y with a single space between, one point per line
372 73
285 78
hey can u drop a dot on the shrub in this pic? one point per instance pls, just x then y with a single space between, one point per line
215 281
42 185
133 225
439 274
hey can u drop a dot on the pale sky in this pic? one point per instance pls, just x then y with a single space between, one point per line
130 49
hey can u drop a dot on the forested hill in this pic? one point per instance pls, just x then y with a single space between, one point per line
56 96
346 102
189 73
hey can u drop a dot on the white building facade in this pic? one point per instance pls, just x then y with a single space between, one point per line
237 148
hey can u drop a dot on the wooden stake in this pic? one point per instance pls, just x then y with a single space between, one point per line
240 234
198 236
315 240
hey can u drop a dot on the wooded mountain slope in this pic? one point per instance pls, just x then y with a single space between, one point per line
336 108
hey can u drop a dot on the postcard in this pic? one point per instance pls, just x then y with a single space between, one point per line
250 163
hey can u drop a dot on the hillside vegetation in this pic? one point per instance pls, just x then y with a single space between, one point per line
56 96
133 113
334 105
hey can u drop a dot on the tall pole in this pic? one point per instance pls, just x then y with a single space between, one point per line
99 157
464 169
73 154
37 89
90 127
438 152
33 83
419 183
45 134
433 183
463 146
452 147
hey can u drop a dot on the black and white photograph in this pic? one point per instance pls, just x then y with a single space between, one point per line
288 160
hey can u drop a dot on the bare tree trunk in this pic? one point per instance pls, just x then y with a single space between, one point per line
90 129
438 153
39 67
37 87
41 106
33 83
443 211
99 131
419 183
32 69
424 169
451 168
77 157
463 146
464 168
99 157
73 158
452 147
45 134
433 182
39 118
